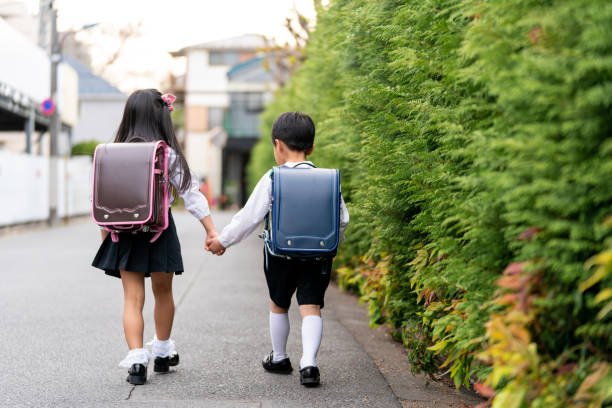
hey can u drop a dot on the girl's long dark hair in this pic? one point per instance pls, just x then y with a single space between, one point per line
146 118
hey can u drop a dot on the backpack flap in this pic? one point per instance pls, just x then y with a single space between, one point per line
305 211
123 183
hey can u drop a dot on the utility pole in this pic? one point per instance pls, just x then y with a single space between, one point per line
43 24
54 120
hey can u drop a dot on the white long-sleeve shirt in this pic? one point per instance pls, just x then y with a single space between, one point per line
195 202
258 205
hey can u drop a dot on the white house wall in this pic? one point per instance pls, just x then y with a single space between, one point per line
214 159
208 99
25 67
196 152
202 77
204 158
98 119
68 94
235 86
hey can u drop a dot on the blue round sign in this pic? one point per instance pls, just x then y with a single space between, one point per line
48 107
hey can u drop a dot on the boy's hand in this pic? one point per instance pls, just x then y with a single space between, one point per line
210 236
215 246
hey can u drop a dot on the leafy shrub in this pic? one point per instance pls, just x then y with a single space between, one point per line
84 148
473 139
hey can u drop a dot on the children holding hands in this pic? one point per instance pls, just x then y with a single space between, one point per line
136 256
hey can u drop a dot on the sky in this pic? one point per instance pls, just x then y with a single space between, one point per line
168 26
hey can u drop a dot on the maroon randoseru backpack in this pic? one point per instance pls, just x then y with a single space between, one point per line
130 187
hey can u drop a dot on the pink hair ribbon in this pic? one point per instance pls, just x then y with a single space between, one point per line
169 100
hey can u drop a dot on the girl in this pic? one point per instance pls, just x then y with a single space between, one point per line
146 118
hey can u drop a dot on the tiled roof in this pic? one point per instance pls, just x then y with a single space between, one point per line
90 83
246 42
252 70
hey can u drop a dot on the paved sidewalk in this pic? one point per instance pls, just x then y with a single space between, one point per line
62 335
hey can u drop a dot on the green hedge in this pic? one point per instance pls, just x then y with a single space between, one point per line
84 148
473 139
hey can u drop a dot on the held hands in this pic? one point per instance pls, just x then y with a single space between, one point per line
213 245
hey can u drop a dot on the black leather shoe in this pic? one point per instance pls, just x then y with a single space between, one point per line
174 360
279 367
161 364
309 376
137 374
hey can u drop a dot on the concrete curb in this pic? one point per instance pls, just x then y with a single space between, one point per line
412 391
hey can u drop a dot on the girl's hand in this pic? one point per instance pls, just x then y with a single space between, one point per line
215 246
210 236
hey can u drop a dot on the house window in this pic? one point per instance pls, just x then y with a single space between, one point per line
224 58
254 102
242 118
215 117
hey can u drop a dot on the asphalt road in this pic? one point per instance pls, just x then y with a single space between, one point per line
62 336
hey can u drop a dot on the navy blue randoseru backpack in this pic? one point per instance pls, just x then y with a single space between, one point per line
304 220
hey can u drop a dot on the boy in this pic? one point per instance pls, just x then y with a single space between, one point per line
293 138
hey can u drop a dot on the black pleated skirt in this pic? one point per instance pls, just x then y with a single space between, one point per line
135 253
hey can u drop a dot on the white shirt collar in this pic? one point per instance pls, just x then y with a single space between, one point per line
293 164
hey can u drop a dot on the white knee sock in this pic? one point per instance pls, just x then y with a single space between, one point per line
312 331
279 332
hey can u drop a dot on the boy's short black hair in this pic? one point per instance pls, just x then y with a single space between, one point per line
295 129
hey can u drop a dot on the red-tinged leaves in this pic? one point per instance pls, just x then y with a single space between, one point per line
513 282
484 390
453 306
528 234
520 333
598 372
522 297
567 368
507 299
514 268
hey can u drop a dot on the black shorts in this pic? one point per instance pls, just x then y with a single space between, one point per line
284 276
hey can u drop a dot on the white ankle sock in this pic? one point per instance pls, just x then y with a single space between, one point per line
279 332
162 348
312 331
136 356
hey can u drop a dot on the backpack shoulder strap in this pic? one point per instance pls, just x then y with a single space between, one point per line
267 217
